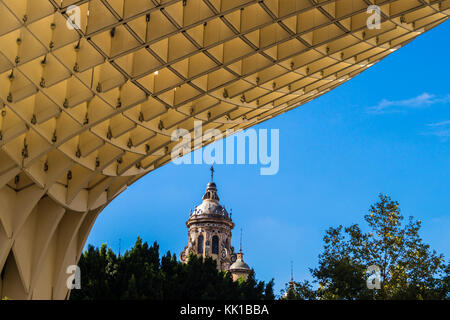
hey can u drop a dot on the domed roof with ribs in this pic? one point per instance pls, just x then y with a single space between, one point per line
210 204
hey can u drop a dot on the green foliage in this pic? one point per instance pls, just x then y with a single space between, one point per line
141 274
409 269
299 291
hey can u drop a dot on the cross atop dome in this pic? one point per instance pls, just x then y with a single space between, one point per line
212 173
240 243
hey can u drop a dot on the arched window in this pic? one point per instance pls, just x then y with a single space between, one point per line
215 244
200 245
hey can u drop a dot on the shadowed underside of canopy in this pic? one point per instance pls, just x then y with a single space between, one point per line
87 111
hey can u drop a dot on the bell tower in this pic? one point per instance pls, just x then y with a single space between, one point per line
209 230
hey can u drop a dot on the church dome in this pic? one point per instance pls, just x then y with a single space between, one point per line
210 204
239 265
211 185
210 208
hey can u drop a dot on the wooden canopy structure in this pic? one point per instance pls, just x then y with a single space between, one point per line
88 106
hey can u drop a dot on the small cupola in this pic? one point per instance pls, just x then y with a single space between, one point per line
211 189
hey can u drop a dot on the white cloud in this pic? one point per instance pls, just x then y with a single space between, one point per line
439 129
421 101
440 124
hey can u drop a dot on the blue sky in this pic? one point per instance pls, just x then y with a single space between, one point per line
387 130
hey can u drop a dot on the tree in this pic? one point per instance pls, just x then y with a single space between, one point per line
409 269
141 274
445 289
299 291
99 270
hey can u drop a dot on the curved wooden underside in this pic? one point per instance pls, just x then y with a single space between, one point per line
85 113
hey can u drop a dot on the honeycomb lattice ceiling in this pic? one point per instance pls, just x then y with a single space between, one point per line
86 112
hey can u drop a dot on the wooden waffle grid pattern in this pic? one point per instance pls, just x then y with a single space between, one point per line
86 112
